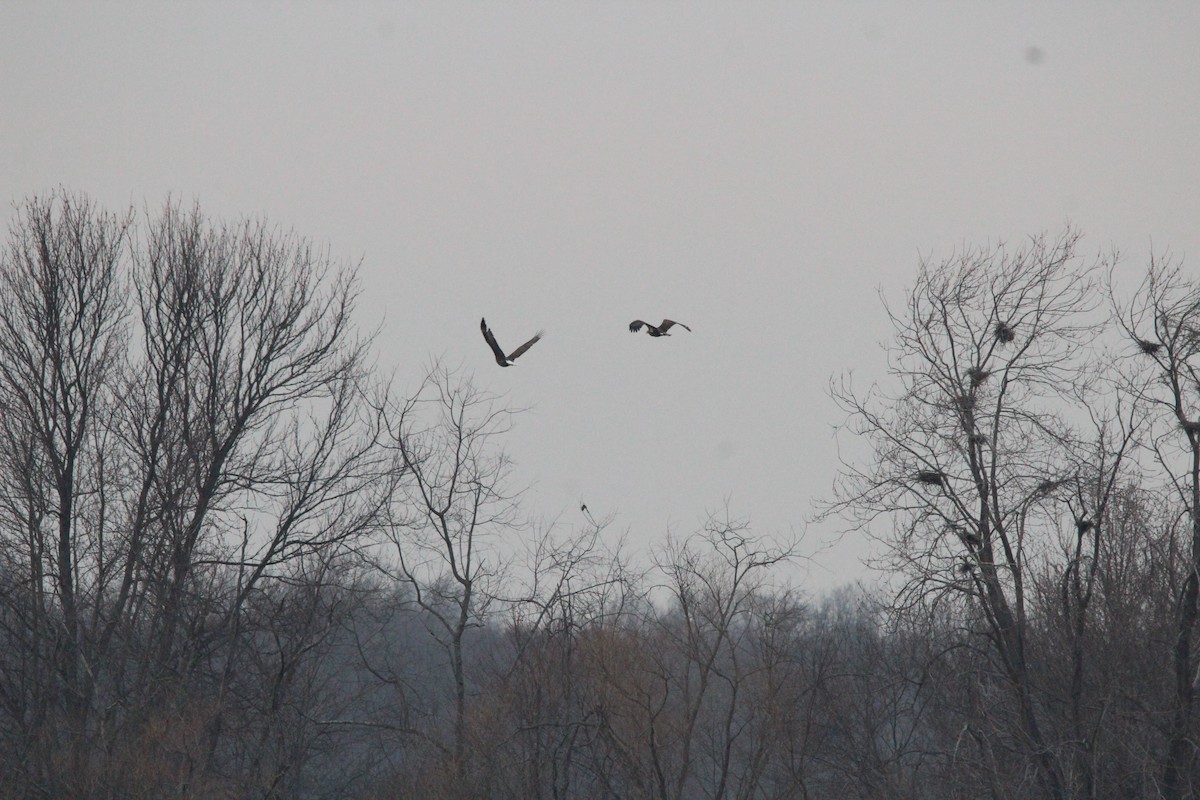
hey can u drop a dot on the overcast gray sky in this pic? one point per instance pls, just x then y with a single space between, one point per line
759 171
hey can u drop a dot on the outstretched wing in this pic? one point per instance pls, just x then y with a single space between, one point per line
491 340
516 353
637 324
667 323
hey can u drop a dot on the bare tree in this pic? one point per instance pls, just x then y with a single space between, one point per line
244 327
182 455
989 350
1163 321
252 444
566 584
453 503
62 329
688 695
714 593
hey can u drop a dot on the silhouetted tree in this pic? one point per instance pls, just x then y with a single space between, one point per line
454 501
183 421
1025 319
1163 318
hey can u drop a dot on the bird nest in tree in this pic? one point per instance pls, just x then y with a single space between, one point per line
1048 485
1084 525
978 375
1004 332
978 438
963 534
931 477
1148 347
1191 426
965 403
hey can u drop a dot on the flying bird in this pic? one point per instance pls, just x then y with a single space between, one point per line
659 329
501 359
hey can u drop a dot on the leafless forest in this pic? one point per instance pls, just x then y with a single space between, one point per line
236 562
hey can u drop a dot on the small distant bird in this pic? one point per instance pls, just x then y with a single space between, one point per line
1148 347
501 359
657 330
1004 332
583 507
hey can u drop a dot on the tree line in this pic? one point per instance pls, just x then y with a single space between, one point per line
236 561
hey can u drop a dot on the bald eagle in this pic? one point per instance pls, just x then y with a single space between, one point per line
657 330
501 359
